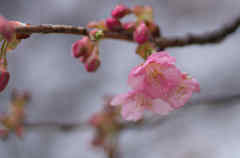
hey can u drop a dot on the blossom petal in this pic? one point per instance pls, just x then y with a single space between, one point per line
132 112
120 99
161 107
135 81
162 58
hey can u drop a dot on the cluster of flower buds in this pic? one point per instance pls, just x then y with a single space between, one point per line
143 28
9 40
87 50
158 86
13 121
107 126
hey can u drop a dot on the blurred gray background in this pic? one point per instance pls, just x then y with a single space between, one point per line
63 91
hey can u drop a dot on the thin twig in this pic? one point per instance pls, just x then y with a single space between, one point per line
213 37
163 42
68 29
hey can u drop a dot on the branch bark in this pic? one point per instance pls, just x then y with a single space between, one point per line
213 37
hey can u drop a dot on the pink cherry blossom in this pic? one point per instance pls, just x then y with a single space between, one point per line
135 102
158 86
183 92
157 76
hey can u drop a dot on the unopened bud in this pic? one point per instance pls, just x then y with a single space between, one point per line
141 34
4 78
78 49
113 24
93 61
120 11
81 47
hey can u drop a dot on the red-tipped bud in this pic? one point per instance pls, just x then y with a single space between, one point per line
113 24
129 26
120 11
78 49
92 65
4 78
6 29
81 47
93 62
141 34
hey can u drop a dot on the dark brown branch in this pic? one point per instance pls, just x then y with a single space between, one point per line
67 29
216 36
163 42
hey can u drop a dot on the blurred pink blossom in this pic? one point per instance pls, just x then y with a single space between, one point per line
135 102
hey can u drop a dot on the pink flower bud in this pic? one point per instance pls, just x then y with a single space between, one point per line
6 29
4 78
113 24
141 34
129 26
92 65
93 62
120 11
81 47
78 49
